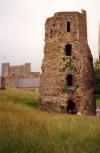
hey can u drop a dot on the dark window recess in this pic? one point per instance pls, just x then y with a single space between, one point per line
51 33
68 26
69 80
68 49
71 107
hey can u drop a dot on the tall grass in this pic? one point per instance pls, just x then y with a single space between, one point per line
25 129
19 96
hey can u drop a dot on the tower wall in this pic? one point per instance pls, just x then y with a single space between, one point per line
27 67
57 65
5 69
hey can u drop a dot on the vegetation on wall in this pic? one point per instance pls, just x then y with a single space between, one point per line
97 76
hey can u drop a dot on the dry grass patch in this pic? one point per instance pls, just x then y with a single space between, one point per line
28 130
25 129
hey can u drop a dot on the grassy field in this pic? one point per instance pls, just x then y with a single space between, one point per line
19 96
25 129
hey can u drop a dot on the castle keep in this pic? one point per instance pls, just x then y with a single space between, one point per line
67 69
8 70
19 77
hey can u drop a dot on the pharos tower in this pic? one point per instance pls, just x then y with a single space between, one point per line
67 67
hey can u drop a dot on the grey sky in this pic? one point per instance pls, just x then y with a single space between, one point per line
22 27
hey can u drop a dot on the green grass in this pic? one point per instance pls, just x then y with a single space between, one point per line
19 96
98 98
25 129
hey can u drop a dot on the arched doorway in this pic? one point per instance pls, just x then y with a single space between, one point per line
71 107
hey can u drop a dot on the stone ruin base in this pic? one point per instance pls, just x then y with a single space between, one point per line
82 107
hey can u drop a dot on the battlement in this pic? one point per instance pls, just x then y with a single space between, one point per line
8 70
21 72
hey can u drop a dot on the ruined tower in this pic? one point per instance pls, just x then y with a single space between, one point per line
67 68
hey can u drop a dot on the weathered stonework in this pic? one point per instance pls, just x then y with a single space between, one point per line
61 30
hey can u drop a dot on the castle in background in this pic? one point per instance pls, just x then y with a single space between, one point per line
8 70
19 77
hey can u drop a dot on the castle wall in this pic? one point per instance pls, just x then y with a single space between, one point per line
8 70
57 66
9 73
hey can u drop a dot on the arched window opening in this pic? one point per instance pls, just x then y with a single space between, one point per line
69 80
68 26
71 107
68 49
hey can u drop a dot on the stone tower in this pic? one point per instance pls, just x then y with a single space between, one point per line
27 67
5 69
67 68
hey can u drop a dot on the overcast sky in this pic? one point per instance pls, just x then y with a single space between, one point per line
22 27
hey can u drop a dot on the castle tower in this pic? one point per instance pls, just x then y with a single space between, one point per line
5 69
27 67
67 68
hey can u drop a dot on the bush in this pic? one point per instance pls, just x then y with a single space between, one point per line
97 76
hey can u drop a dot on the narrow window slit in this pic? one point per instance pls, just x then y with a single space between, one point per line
68 26
68 49
69 80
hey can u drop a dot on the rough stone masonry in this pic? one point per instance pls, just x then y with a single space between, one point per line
67 68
